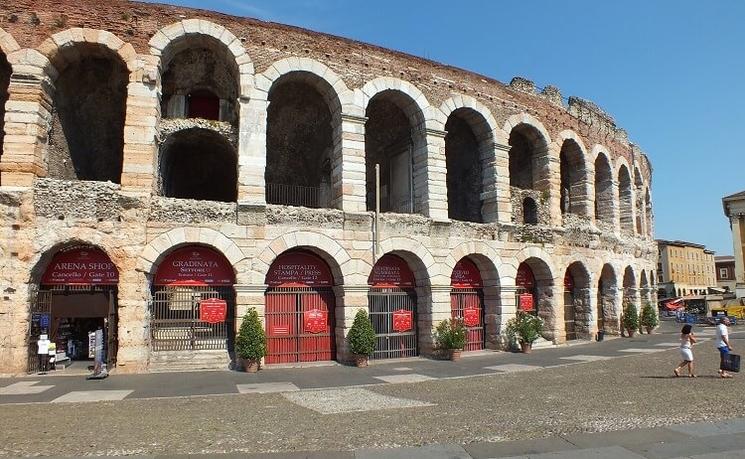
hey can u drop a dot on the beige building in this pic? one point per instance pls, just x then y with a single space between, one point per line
165 169
684 268
734 209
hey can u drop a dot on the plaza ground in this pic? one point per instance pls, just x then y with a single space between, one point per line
544 400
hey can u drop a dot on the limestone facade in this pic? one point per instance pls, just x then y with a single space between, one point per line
734 209
587 195
685 268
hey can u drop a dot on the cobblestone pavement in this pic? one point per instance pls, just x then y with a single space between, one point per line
600 395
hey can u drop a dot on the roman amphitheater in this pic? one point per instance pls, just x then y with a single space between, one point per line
164 169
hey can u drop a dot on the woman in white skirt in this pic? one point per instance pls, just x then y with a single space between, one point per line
686 341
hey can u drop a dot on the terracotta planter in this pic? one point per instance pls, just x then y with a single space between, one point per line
360 361
630 333
250 365
527 348
454 354
649 330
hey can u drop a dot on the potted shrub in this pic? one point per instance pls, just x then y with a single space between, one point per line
361 338
250 344
450 337
630 319
649 318
525 329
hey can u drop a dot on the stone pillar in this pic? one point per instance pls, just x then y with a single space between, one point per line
351 170
429 314
583 313
493 319
140 128
489 195
430 181
509 310
551 166
737 223
502 183
349 300
252 149
133 312
550 309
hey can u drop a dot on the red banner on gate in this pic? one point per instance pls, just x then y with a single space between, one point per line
525 278
471 317
465 275
299 269
526 302
391 271
81 265
195 265
403 320
213 310
315 320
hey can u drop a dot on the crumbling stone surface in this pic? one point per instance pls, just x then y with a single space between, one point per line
325 218
63 199
189 211
169 126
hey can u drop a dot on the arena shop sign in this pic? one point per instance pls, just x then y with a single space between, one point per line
81 265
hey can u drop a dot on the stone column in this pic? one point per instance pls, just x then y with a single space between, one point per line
509 310
502 183
351 170
550 309
493 310
252 149
133 312
430 181
489 194
737 223
551 165
349 300
437 310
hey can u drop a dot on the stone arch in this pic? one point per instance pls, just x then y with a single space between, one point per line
645 288
345 269
605 195
578 302
463 101
625 197
417 107
43 256
649 217
53 48
8 44
574 173
630 287
546 268
544 290
518 119
157 249
420 259
164 38
608 309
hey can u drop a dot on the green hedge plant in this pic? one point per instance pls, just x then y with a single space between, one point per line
361 336
250 344
524 328
450 334
630 318
649 319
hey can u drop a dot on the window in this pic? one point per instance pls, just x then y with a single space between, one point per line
723 273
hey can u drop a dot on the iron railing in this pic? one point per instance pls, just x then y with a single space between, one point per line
383 302
292 195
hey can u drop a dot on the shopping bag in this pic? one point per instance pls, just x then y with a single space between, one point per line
731 362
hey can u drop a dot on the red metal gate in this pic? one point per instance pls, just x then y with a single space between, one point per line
300 324
468 305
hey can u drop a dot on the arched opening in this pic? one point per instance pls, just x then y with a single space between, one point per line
577 310
300 143
76 297
534 293
199 80
625 200
299 309
392 302
607 307
648 212
193 306
639 204
530 211
5 72
630 291
198 164
646 291
463 152
603 191
573 179
86 138
392 137
528 168
467 302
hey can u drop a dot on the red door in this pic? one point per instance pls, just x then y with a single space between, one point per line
467 305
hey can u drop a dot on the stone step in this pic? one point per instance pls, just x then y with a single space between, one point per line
167 361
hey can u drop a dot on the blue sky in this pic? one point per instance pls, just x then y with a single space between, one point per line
671 72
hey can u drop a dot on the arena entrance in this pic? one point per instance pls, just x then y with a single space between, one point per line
570 327
77 296
525 293
193 303
467 302
392 303
299 309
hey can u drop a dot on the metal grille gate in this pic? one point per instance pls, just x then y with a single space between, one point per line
466 298
288 337
383 302
175 324
569 316
41 303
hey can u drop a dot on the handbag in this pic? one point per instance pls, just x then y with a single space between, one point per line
731 362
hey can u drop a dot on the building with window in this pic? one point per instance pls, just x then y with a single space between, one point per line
725 271
164 169
684 268
734 209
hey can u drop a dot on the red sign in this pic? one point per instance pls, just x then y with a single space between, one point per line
568 282
525 277
403 320
465 275
195 265
213 310
315 320
299 269
81 265
526 302
471 317
391 271
280 330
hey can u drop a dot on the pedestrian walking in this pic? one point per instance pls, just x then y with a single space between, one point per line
722 342
687 340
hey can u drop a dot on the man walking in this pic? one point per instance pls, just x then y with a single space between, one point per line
722 342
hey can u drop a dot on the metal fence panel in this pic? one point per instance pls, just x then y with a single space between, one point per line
389 343
461 299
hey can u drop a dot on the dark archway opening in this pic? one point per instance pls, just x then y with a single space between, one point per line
389 141
577 310
626 203
464 173
607 320
603 190
198 164
530 211
573 176
203 103
5 72
300 146
522 158
86 140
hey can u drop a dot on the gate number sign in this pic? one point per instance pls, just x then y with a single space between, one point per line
403 320
471 317
212 310
315 320
526 302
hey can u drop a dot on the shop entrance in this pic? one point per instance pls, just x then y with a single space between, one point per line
525 289
467 302
299 309
570 326
193 302
77 297
392 303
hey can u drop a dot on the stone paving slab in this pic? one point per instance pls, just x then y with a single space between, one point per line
483 450
334 401
705 429
405 378
637 350
585 358
692 447
608 452
266 388
92 396
627 438
512 368
24 388
422 452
